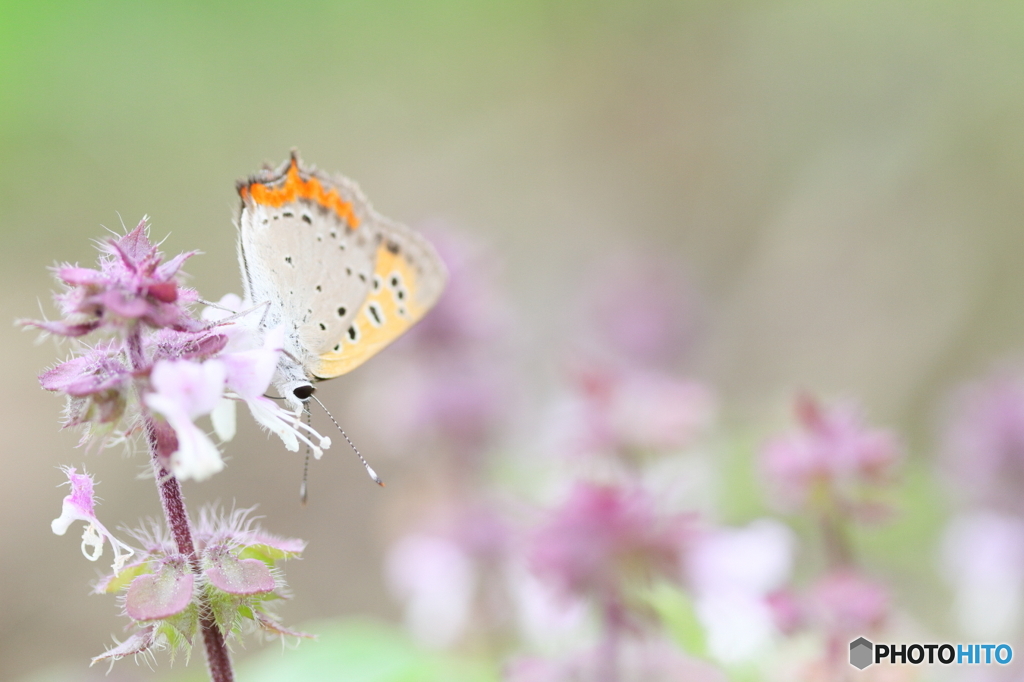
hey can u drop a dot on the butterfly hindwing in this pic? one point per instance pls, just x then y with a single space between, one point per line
408 278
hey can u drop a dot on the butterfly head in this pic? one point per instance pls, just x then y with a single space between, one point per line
296 393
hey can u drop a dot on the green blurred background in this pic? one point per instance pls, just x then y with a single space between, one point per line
842 180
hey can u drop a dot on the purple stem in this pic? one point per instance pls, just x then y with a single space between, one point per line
162 443
608 649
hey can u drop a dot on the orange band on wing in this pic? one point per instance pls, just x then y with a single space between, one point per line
295 187
395 311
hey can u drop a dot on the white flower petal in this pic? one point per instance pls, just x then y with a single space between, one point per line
69 513
224 419
196 457
92 540
287 425
194 388
267 415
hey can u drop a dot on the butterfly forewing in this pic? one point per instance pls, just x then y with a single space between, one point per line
344 280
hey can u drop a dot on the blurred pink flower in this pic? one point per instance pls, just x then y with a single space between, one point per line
451 377
471 311
436 580
632 411
455 567
983 561
847 602
984 441
833 452
638 308
787 610
604 538
733 573
638 660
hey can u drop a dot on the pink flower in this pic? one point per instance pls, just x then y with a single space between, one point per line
631 412
833 451
96 384
250 363
79 505
604 538
639 660
132 285
183 391
640 309
436 580
984 441
848 602
983 561
734 572
451 379
470 311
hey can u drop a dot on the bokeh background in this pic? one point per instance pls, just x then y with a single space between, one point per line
834 189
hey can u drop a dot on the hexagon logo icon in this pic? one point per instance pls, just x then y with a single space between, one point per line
860 653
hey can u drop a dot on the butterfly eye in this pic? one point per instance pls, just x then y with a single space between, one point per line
304 392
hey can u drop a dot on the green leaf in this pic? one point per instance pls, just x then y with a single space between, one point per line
124 577
362 651
675 608
266 553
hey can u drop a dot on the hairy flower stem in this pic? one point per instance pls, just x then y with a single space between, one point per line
162 444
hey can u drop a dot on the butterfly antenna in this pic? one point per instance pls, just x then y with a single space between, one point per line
369 469
303 489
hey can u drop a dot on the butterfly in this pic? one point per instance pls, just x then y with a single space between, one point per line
342 279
